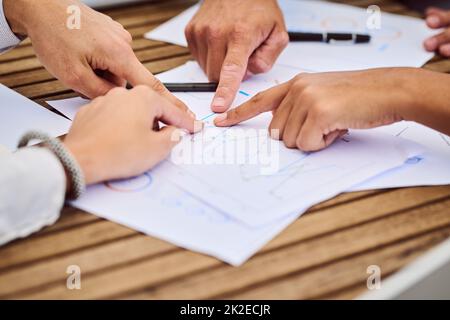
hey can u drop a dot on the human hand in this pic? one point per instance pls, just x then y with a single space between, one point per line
112 137
313 110
437 18
233 37
92 59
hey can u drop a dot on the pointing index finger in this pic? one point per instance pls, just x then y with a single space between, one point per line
137 74
168 113
233 71
265 101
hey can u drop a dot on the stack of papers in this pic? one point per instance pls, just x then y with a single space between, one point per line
231 209
203 200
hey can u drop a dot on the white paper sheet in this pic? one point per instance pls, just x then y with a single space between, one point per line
432 168
68 107
397 43
152 205
18 115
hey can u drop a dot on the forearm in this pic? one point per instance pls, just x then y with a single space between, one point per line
32 192
16 12
8 39
431 100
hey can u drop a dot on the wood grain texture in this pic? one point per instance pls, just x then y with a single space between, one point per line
322 255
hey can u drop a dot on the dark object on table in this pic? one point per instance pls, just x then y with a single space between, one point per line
423 4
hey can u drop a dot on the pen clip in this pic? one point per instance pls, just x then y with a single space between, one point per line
343 42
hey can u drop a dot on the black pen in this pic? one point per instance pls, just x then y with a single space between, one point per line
192 87
329 37
189 86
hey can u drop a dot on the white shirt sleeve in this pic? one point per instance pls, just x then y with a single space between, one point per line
8 39
32 191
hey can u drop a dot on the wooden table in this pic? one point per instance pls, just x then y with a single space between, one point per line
324 254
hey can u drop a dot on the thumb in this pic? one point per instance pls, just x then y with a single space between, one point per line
88 84
168 137
160 144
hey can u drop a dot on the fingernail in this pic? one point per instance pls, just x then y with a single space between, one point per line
221 117
433 20
176 136
198 126
275 134
183 133
218 102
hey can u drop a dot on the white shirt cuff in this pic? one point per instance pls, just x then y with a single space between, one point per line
32 192
8 39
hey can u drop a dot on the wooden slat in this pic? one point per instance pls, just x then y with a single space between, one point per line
70 218
440 66
35 248
338 218
47 88
32 62
302 225
53 270
114 257
350 272
311 226
311 254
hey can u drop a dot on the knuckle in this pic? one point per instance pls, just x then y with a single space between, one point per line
158 86
240 31
261 65
319 113
257 99
300 82
189 30
308 92
128 36
283 39
200 30
213 33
